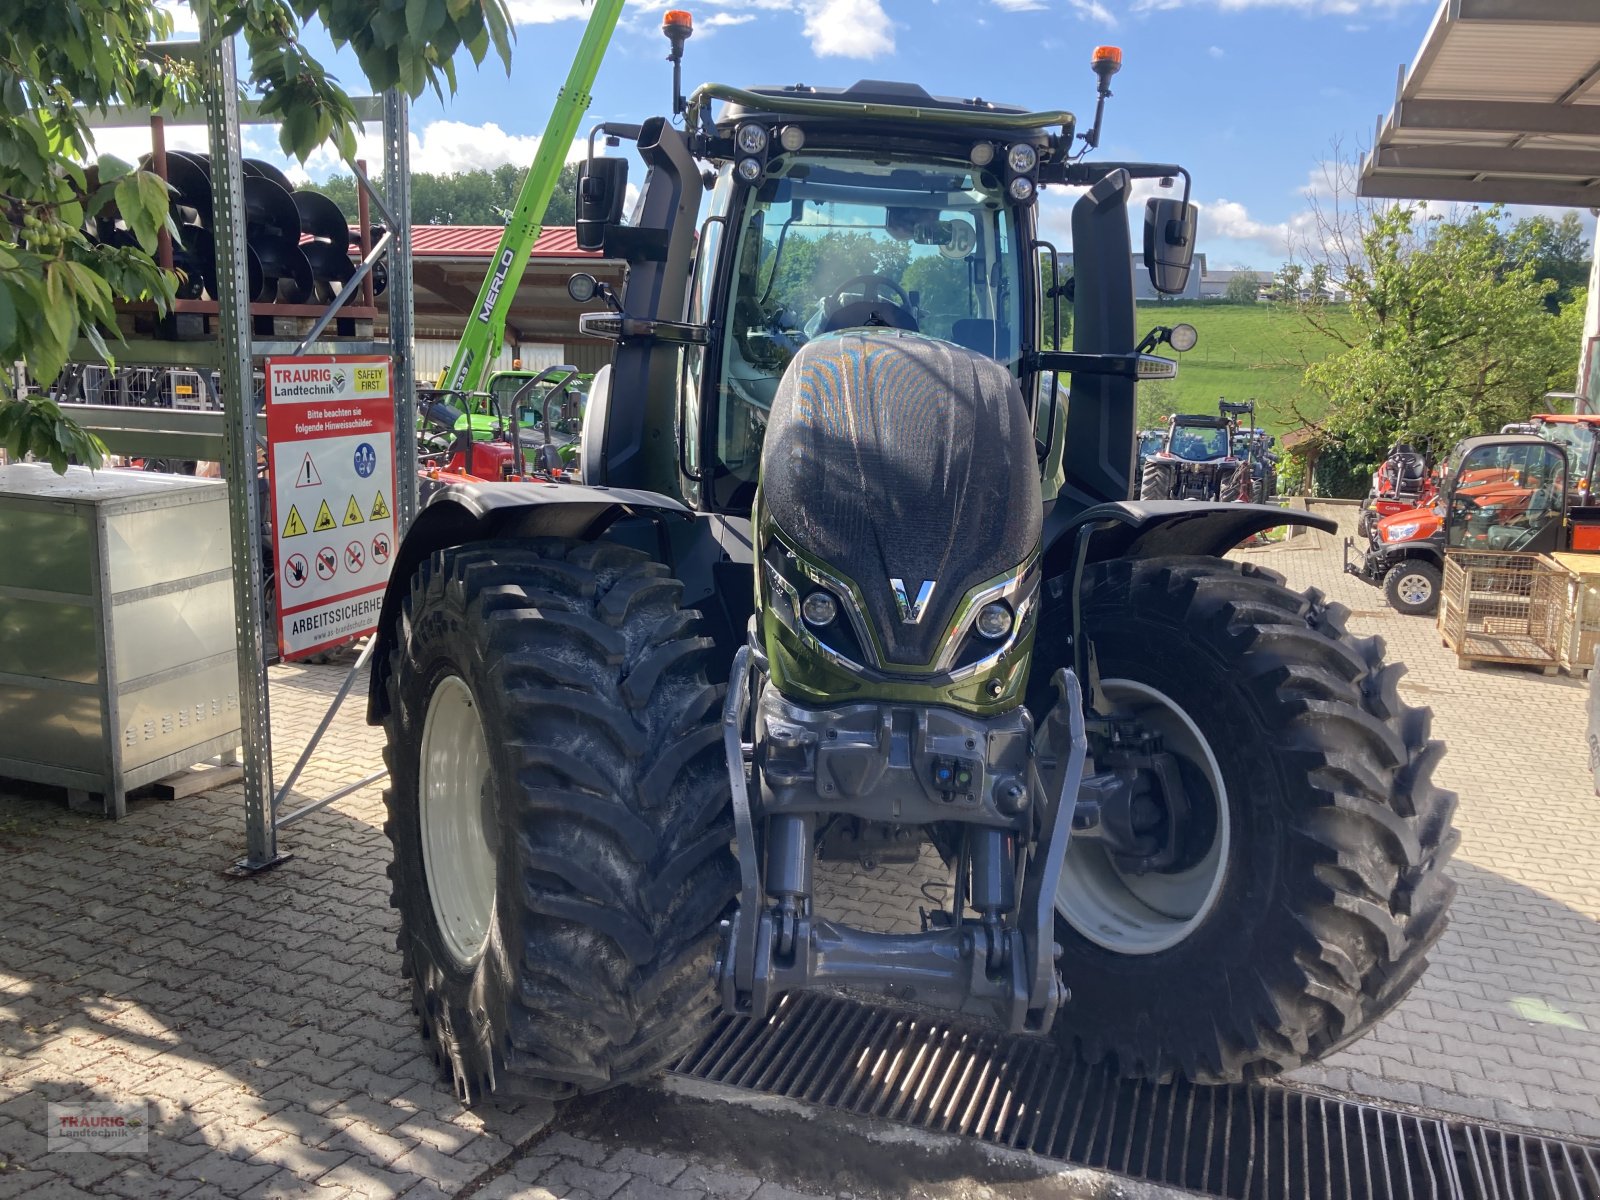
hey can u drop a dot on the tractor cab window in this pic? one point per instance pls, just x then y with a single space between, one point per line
1199 443
1578 440
831 243
1505 496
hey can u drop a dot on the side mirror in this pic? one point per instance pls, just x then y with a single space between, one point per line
602 185
1169 229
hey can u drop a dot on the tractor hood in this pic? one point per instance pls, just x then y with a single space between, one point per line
905 467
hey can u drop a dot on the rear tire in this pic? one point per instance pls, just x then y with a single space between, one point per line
1231 488
1412 587
1155 482
598 804
1305 908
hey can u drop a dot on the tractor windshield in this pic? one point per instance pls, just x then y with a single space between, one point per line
1578 439
835 243
1200 443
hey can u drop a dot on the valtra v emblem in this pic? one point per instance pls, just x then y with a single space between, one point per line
911 610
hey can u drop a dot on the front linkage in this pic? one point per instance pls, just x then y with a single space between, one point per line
903 765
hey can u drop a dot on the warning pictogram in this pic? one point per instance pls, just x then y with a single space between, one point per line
307 475
331 468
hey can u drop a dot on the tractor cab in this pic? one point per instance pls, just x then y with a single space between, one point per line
1506 495
1195 437
1580 437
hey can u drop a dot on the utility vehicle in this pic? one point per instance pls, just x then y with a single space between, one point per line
1403 557
829 588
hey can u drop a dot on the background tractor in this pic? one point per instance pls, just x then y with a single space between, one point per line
1199 460
853 566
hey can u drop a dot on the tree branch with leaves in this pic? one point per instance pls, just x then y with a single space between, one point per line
64 61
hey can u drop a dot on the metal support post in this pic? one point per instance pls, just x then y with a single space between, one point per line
220 87
402 324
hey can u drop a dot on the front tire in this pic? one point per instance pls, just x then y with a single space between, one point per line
1412 587
1311 880
1156 482
559 816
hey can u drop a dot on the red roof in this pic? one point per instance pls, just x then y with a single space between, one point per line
480 241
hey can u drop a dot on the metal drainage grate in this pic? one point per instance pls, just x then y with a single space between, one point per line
1243 1143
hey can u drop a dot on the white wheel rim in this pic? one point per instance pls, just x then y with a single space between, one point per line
1146 914
457 853
1415 589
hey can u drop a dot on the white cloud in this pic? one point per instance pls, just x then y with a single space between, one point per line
1216 51
185 24
848 28
132 144
717 20
1020 5
546 12
442 147
1093 10
1343 8
1230 219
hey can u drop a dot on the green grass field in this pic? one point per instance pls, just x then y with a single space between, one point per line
1245 352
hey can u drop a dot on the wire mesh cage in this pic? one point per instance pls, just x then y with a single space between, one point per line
1509 608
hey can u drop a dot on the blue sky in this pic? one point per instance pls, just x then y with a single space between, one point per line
1250 95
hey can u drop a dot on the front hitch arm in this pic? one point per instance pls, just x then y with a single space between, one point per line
1038 910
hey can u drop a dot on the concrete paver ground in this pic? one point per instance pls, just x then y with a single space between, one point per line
264 1022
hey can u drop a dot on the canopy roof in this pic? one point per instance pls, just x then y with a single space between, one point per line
1502 104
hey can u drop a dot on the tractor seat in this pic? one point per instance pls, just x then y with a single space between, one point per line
1410 471
976 333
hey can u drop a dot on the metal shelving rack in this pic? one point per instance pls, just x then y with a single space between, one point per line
231 435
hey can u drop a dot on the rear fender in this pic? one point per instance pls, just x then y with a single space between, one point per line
1151 528
477 512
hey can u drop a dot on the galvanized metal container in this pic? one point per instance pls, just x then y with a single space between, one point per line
117 659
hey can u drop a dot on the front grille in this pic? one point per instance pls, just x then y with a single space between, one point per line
1256 1142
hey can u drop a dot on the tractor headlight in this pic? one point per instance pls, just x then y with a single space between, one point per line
751 139
1021 189
750 170
1400 533
982 154
1022 158
819 610
792 138
994 621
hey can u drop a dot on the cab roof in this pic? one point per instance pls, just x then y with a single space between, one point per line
869 91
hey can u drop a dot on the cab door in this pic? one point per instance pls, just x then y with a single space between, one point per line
1508 497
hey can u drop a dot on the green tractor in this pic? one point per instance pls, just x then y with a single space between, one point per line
854 565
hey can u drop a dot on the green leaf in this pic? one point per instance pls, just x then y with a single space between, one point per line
112 168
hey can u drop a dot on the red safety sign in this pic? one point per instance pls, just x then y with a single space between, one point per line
330 428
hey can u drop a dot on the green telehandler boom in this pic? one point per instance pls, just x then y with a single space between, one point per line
487 323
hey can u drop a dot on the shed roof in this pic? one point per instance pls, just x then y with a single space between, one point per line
481 241
1501 104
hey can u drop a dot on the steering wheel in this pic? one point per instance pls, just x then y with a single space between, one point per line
873 308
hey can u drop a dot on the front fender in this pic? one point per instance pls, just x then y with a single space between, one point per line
477 512
1151 528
